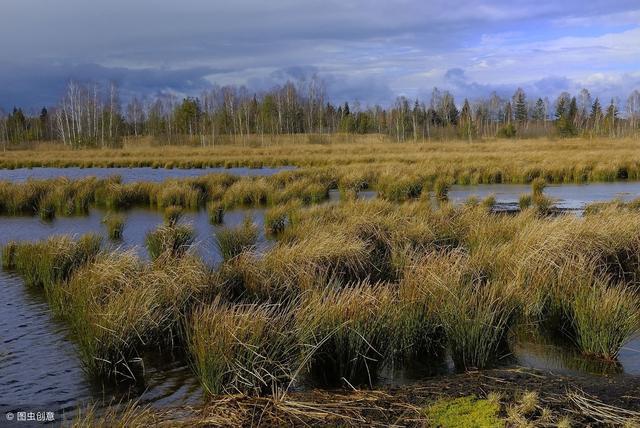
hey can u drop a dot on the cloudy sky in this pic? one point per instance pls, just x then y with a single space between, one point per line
369 51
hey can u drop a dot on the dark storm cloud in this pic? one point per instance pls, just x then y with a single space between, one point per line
369 50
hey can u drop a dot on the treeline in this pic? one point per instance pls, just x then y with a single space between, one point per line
93 116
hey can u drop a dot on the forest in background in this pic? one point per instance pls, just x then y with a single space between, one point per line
93 115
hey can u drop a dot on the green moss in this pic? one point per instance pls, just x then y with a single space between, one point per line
464 412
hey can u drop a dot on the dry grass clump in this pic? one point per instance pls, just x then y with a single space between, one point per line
398 188
180 194
130 415
116 195
117 307
525 201
289 267
276 219
308 191
232 241
441 189
173 214
114 223
175 240
243 348
46 263
248 192
348 331
349 184
216 212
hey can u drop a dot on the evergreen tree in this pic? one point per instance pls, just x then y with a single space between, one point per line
539 111
521 107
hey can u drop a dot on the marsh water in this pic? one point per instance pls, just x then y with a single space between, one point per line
569 196
38 359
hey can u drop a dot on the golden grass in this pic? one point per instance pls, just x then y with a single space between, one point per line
569 160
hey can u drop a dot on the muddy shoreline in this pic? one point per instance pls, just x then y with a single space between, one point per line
585 400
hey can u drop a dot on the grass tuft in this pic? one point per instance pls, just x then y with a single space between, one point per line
173 240
232 241
248 349
115 225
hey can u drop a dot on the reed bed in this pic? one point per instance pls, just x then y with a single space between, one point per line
491 161
346 288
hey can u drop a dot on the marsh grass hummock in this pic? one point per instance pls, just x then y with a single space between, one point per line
249 348
114 223
232 241
348 331
44 264
175 240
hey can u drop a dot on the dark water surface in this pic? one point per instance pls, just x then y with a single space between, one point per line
131 174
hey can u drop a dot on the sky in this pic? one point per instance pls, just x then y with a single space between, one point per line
365 50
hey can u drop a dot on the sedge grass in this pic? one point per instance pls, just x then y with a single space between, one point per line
46 263
175 240
118 306
114 223
604 317
215 211
250 349
232 241
349 331
172 215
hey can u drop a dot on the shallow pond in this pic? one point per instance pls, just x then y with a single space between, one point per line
131 174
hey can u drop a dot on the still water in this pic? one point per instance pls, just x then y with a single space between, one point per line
566 196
